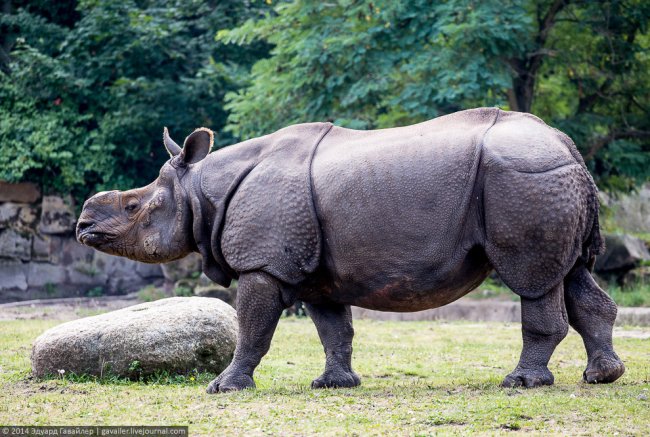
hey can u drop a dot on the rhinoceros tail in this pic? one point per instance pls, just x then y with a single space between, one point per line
594 244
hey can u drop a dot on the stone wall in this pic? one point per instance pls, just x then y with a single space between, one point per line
40 257
630 212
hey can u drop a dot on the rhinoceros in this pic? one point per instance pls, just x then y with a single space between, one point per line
400 219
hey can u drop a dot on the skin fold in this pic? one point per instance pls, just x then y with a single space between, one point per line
401 219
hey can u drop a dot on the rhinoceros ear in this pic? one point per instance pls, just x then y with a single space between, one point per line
173 148
197 145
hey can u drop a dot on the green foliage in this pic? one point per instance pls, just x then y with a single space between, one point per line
631 295
367 65
151 293
50 288
135 367
596 75
582 67
184 291
85 100
95 292
86 86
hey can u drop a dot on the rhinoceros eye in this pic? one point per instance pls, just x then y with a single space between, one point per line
131 206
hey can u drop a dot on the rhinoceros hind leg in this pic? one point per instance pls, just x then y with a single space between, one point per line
334 325
544 325
592 313
259 306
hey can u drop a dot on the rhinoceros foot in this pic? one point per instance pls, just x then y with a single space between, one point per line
528 378
604 369
230 381
336 379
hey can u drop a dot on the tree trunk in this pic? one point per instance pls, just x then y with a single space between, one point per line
523 87
520 96
5 42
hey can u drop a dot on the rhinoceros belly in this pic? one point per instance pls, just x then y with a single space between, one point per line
397 212
405 292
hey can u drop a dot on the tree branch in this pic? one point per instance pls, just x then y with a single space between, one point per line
5 46
527 67
546 24
587 102
5 60
604 140
548 21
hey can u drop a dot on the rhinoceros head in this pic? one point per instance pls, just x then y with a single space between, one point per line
150 224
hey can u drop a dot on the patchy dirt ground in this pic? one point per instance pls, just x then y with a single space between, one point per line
64 309
467 309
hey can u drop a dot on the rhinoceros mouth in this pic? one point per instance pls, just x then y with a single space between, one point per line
95 238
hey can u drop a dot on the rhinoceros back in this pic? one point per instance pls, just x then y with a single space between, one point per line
393 202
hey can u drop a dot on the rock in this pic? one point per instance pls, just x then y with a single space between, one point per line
8 214
148 271
66 251
14 245
176 335
124 275
116 275
204 281
44 274
27 216
631 316
40 248
23 192
13 274
84 273
57 262
228 295
636 276
631 212
622 253
57 215
182 268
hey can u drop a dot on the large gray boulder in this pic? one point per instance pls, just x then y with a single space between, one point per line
176 335
622 253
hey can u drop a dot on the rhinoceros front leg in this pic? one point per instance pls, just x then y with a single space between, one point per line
259 306
544 325
334 325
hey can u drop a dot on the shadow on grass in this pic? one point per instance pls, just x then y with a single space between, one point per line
193 378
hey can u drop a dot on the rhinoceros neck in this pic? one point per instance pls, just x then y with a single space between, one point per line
210 187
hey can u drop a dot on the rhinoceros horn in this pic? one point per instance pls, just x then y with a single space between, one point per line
173 148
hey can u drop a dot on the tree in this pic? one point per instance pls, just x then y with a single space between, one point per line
90 84
581 66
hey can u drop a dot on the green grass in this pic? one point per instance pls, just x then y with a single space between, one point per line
637 295
633 295
418 378
151 293
491 289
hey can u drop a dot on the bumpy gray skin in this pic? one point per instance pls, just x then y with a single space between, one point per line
400 219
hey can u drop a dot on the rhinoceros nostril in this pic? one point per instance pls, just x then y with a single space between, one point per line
84 225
